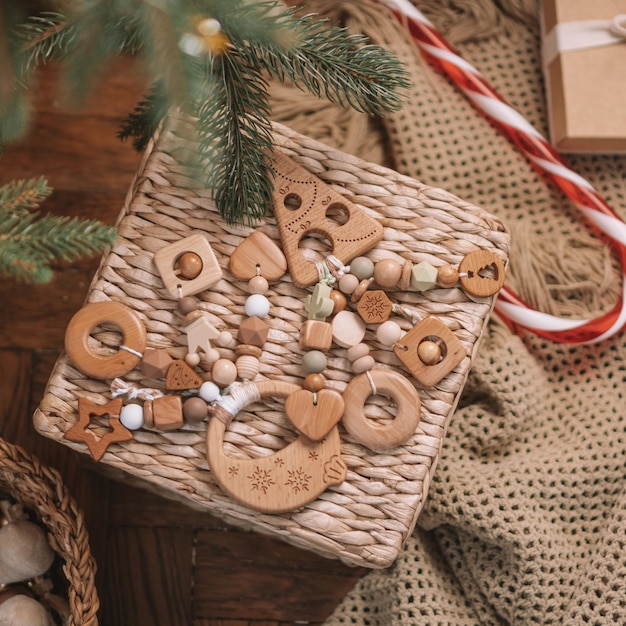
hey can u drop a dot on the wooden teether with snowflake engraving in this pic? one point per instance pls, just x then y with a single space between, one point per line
283 481
304 205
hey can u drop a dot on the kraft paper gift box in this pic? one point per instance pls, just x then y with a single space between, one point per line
584 59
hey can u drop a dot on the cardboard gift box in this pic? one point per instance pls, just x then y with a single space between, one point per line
584 56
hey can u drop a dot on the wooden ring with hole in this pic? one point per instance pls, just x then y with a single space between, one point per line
111 365
368 432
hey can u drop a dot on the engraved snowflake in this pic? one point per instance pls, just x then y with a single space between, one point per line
261 480
313 455
375 305
298 480
233 470
279 462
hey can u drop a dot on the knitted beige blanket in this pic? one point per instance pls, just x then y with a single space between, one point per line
526 517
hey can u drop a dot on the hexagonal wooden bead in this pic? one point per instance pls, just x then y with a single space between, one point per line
374 307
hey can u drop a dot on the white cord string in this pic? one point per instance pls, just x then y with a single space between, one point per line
120 387
239 396
132 351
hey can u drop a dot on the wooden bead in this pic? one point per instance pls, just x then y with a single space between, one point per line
248 350
447 276
316 335
258 285
348 283
387 273
195 410
339 301
167 412
248 367
314 382
405 277
189 266
364 364
374 307
429 352
348 329
224 372
148 414
361 289
187 304
357 351
388 333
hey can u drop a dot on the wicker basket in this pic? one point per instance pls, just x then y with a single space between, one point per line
41 490
366 519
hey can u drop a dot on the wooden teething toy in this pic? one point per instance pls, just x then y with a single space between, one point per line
283 481
105 366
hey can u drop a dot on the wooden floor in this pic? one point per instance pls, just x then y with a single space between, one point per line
159 563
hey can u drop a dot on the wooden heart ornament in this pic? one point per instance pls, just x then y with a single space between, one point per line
314 415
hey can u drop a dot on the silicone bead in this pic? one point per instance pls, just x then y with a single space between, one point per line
211 355
364 364
348 283
224 372
314 362
387 273
131 416
193 359
189 265
224 339
257 305
388 333
209 391
356 352
195 410
362 267
423 276
348 329
187 304
258 284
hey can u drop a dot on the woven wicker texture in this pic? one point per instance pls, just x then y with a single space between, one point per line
365 520
40 489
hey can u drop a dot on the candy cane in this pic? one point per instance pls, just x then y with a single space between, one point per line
547 161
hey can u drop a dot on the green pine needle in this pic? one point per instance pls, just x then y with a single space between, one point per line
23 195
142 123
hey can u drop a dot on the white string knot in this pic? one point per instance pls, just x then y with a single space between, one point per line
120 387
238 396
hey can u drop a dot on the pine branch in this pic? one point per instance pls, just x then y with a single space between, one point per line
331 63
142 123
235 140
29 242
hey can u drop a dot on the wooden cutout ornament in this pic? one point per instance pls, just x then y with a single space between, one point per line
79 432
314 415
305 205
481 273
182 376
406 349
165 260
281 482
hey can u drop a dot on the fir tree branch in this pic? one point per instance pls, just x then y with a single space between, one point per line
235 140
23 195
142 123
329 62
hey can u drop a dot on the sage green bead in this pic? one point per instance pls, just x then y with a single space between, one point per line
423 276
314 362
362 267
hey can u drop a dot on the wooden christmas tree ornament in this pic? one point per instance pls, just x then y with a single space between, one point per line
305 205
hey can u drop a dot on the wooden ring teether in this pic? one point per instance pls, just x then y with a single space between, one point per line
368 432
111 365
285 480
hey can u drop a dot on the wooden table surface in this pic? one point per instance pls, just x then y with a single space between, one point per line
159 563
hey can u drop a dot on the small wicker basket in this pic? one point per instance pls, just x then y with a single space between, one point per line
40 489
365 520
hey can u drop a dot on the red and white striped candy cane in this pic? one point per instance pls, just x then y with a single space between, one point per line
547 161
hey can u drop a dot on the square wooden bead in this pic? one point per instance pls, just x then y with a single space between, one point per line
167 412
166 259
452 352
316 335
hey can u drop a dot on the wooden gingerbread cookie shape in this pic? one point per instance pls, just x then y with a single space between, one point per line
304 205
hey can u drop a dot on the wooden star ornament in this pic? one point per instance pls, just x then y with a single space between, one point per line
79 432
